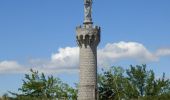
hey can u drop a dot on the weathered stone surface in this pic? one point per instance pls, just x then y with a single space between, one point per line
88 38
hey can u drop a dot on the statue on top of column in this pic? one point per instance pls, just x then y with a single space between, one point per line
88 11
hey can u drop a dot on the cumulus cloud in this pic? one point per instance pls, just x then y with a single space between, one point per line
163 52
125 50
67 59
11 67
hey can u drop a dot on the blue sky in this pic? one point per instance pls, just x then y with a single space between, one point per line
32 31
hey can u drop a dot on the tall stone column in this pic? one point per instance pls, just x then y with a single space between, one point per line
88 37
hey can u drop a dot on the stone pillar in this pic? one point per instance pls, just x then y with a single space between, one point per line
88 37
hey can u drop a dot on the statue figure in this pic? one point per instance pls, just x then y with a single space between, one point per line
87 11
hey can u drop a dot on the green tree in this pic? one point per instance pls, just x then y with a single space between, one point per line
137 83
111 84
137 76
145 83
38 86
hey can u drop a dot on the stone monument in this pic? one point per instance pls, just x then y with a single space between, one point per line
88 38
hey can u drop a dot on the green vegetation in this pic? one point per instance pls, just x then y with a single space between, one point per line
115 83
135 83
39 87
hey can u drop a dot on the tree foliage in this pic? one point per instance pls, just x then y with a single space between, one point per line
135 83
39 86
115 83
110 84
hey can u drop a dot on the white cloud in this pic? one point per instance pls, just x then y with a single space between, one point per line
11 67
163 52
125 50
67 59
